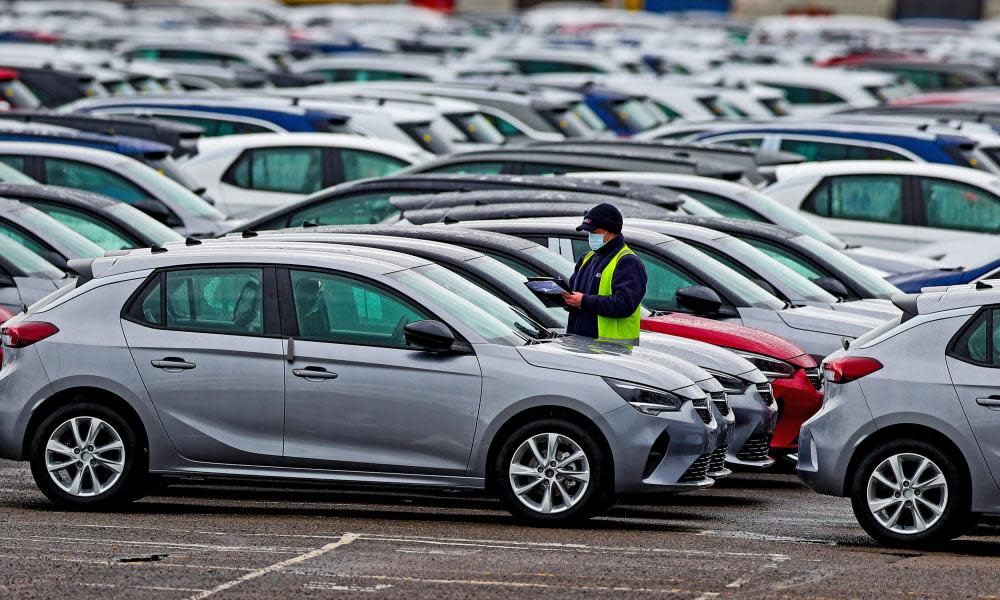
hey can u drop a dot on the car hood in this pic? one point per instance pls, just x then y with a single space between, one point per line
721 333
891 262
578 354
808 318
871 307
706 356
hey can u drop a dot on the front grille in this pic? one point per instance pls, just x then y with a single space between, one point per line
698 470
701 405
721 402
765 391
717 462
756 448
813 375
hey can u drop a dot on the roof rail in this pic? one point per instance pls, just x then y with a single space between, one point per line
157 249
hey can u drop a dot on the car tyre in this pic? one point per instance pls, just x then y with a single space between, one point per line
551 472
86 455
910 493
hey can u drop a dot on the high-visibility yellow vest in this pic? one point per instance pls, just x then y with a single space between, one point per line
609 329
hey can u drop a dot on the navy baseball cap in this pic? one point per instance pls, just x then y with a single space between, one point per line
602 216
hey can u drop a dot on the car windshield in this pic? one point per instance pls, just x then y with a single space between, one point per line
474 317
589 117
9 174
782 215
867 277
78 246
26 261
513 284
740 289
693 206
149 227
773 271
167 189
636 115
553 260
500 310
478 128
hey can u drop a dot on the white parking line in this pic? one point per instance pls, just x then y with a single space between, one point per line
521 584
181 545
155 588
344 540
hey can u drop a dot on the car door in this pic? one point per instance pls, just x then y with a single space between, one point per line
264 178
357 396
206 343
953 210
870 210
973 359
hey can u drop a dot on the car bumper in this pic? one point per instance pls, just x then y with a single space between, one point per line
798 401
23 384
666 452
756 419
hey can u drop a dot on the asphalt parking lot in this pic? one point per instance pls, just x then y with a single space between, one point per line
753 536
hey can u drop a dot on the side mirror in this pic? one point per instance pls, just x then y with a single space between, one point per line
834 286
430 336
699 299
158 211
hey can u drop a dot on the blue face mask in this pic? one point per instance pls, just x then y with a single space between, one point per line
596 241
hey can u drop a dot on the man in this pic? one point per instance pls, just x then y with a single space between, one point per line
608 284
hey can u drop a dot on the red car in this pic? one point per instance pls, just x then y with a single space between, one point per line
794 374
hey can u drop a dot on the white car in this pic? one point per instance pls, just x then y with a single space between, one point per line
249 174
814 91
893 205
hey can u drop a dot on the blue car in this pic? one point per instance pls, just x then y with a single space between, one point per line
854 141
912 283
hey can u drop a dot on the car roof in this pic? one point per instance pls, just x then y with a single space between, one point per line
424 247
61 150
456 235
739 226
938 299
486 198
568 226
292 241
331 140
890 167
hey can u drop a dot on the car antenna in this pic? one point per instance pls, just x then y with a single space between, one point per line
249 233
157 249
450 220
982 285
295 101
310 224
190 241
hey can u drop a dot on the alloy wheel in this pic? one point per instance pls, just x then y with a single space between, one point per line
549 473
907 493
85 456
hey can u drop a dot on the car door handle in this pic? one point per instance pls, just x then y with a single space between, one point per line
172 364
316 373
989 401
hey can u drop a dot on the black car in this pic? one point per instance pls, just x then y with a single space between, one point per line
110 224
516 210
366 201
430 208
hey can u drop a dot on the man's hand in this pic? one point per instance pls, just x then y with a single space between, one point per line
573 299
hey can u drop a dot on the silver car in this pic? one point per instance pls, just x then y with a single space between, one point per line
910 425
331 367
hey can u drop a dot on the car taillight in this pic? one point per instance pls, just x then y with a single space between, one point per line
849 368
26 333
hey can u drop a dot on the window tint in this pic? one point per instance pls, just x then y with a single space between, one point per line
223 300
70 173
148 307
817 150
503 126
367 75
533 67
103 234
748 142
340 310
359 164
724 206
979 341
471 168
664 281
364 209
19 236
285 170
877 198
954 205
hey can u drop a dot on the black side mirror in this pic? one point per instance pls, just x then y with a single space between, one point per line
699 299
834 286
430 336
158 211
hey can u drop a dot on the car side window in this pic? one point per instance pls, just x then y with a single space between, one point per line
790 260
663 282
744 142
103 234
535 67
74 174
22 237
470 168
505 127
806 95
215 127
360 164
15 162
217 300
724 206
955 205
875 198
821 151
544 169
364 209
978 342
284 170
341 310
147 307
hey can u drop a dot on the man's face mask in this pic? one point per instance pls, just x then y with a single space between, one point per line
596 241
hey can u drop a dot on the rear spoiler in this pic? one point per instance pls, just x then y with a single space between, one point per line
84 269
908 304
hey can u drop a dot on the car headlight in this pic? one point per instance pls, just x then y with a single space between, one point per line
732 384
772 368
647 400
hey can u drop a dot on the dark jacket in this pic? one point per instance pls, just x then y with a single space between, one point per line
627 289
